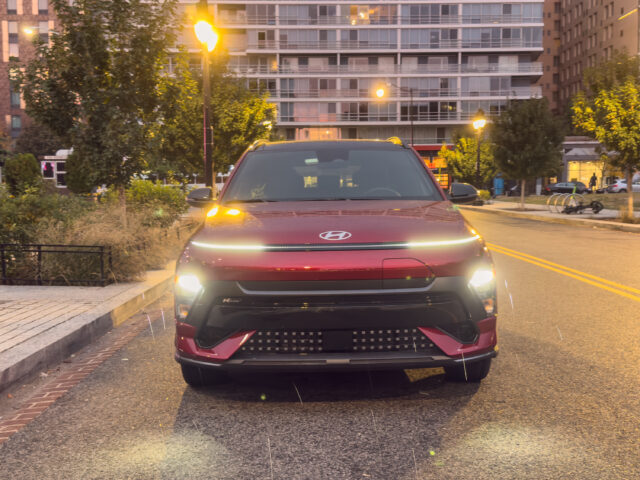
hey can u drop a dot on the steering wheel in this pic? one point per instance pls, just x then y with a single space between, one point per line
383 189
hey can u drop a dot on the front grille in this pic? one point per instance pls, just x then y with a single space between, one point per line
339 341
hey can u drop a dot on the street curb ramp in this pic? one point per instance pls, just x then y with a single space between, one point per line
61 341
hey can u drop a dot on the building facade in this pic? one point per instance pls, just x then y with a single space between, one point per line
591 31
20 21
354 69
550 81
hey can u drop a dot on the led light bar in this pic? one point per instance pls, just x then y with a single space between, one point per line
343 246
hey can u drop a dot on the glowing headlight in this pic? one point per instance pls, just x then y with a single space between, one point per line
189 283
483 282
482 278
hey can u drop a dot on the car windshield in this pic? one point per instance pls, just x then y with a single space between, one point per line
330 172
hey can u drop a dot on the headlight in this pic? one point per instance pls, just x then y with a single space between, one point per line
483 283
187 287
188 283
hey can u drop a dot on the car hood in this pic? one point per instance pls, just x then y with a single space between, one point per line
303 223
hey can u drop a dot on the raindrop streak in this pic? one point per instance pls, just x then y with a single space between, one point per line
415 464
511 298
298 392
150 327
559 333
464 365
164 325
270 459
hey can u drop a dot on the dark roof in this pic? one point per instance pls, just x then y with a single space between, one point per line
316 144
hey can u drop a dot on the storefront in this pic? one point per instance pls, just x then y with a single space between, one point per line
583 157
436 164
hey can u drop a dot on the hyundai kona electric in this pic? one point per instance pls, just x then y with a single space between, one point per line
334 255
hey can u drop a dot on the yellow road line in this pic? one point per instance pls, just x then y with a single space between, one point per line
580 277
569 269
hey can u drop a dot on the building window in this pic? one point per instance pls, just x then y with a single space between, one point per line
556 60
556 7
621 33
556 79
16 122
43 7
43 31
15 99
13 32
12 7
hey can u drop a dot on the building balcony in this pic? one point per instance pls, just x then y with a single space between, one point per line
343 119
240 19
402 94
283 45
533 68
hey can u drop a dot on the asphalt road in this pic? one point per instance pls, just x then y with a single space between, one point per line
562 400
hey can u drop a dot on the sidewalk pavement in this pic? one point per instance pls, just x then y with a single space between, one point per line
604 219
42 325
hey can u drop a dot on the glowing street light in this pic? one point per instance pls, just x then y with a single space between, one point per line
478 123
208 37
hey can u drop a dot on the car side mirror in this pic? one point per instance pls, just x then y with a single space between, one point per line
201 197
462 193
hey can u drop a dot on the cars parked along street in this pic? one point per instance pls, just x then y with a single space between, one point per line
620 186
335 255
566 187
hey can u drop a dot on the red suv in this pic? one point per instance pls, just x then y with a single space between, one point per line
334 255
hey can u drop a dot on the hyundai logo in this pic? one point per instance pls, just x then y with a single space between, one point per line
335 235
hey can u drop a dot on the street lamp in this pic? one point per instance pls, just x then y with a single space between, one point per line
208 37
479 123
381 93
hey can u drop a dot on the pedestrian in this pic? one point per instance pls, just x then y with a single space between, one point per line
592 181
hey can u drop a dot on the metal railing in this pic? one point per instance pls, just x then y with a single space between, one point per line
22 264
533 67
241 18
377 45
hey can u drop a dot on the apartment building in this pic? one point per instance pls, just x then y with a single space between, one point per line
434 64
20 20
549 82
591 31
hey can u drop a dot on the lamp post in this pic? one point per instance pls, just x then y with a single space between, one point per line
478 123
381 93
208 38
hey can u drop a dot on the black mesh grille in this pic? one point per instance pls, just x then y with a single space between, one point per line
339 341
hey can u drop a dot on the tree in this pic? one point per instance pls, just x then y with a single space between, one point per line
95 86
462 159
613 117
38 140
22 171
611 73
527 140
238 118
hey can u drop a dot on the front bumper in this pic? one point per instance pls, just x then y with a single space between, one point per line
317 362
441 325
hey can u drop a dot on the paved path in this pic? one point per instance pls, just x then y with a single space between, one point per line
40 325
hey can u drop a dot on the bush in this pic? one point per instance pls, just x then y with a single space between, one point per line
161 205
22 171
484 195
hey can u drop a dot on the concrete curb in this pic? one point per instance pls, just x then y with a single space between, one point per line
624 227
67 338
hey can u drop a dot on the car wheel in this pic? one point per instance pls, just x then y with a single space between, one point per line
622 190
198 377
475 371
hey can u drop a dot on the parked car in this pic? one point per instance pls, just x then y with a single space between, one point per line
334 255
566 187
620 186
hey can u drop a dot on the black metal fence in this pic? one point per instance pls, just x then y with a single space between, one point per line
39 264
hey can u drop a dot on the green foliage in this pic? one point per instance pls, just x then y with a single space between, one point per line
527 140
177 136
95 86
38 140
484 195
462 160
22 172
80 176
237 118
21 216
613 117
619 69
161 204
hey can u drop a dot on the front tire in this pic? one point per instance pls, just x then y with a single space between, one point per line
475 371
198 377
